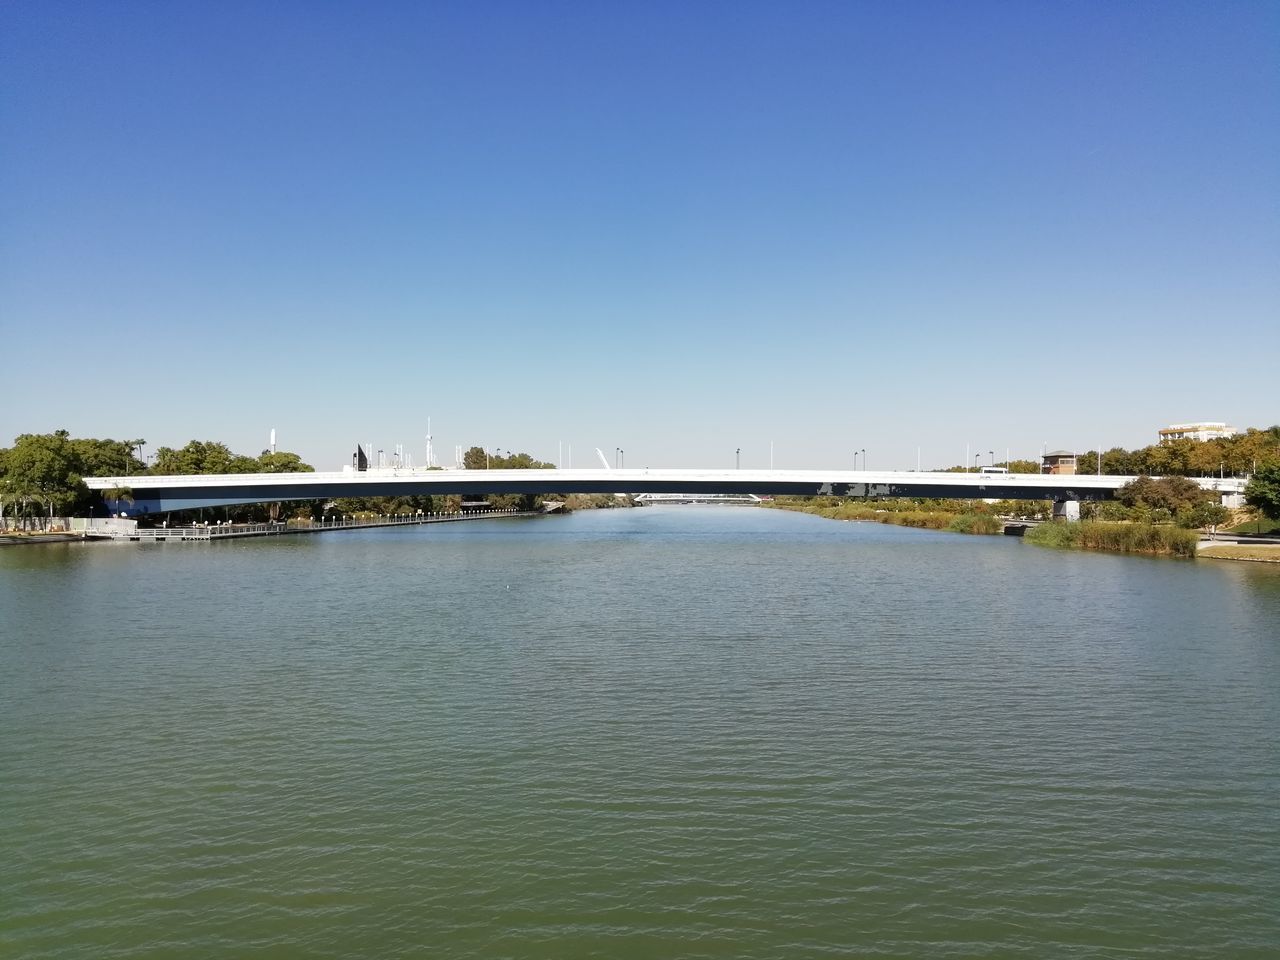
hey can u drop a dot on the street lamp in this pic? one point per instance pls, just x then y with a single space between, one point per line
864 458
993 457
737 459
855 459
976 457
622 457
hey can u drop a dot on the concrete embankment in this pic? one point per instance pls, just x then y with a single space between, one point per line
13 539
116 530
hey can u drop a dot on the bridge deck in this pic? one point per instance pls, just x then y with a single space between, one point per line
162 493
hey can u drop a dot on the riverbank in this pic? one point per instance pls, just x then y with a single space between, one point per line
1135 538
904 515
1141 538
1255 552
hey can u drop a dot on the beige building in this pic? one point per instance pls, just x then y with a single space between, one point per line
1059 461
1196 431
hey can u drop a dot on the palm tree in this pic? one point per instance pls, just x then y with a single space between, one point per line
118 495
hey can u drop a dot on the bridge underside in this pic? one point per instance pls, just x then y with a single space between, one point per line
152 500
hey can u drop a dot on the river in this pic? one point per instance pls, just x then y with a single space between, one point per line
666 732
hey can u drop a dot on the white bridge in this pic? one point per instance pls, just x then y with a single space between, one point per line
661 498
158 494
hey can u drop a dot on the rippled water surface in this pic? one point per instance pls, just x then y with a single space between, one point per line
670 732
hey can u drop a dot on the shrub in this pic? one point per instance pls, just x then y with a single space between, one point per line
975 523
1116 538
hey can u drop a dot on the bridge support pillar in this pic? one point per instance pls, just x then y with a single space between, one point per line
1066 509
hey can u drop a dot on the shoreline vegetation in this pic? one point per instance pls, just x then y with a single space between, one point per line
1143 538
923 515
1149 539
1161 517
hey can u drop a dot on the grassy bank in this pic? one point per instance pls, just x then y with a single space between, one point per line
902 515
1146 538
1255 525
1267 553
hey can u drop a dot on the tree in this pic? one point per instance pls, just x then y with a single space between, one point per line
43 467
107 458
281 462
1118 462
198 456
1263 491
1205 514
1168 493
209 456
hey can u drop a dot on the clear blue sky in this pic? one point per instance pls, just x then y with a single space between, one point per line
676 228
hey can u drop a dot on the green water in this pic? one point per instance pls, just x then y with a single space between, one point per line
670 732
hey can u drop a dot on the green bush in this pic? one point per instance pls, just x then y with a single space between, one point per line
975 523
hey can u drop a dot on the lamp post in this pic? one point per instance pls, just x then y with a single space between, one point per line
737 459
622 457
993 457
976 457
855 460
864 458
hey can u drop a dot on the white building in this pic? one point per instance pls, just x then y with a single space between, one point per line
1196 431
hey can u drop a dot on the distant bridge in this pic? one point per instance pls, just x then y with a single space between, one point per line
671 498
160 494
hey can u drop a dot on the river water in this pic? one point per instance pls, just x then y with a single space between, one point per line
668 732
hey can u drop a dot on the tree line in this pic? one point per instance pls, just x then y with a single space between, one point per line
1239 455
42 474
